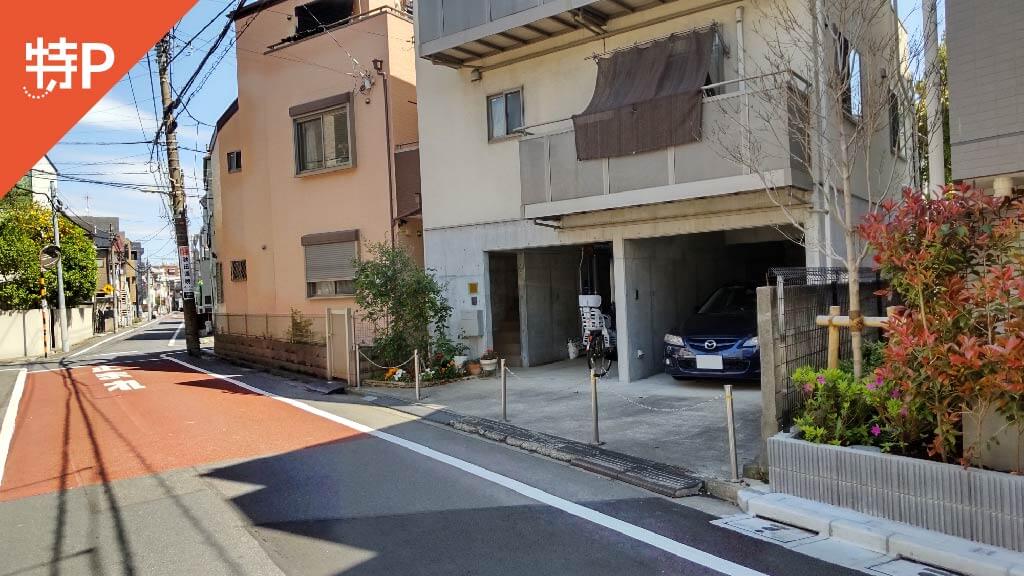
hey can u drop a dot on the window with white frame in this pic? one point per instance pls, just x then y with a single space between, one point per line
331 263
504 113
323 140
235 161
848 75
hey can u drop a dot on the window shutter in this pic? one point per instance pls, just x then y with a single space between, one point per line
334 261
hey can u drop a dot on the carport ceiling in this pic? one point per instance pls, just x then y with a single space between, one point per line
593 17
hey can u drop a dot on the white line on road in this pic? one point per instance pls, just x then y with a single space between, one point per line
666 544
174 337
104 341
7 426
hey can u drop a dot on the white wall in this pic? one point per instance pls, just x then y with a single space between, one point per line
21 331
466 179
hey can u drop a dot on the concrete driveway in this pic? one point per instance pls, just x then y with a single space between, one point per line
680 423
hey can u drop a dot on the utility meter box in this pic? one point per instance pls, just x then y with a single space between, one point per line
471 323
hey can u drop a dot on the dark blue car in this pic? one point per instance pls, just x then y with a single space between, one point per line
719 341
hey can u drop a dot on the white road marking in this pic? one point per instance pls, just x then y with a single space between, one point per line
125 353
7 426
104 341
666 544
174 337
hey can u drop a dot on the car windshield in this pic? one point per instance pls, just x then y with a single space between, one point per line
731 300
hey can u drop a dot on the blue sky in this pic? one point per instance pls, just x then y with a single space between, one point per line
119 117
116 118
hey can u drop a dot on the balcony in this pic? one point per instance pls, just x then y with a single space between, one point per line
555 183
458 32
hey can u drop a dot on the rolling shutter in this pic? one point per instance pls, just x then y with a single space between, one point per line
333 261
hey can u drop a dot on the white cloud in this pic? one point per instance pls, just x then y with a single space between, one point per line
111 113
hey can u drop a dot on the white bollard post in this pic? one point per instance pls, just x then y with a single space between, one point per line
593 406
731 426
416 371
504 392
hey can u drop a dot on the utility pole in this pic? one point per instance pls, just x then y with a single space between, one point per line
64 344
163 58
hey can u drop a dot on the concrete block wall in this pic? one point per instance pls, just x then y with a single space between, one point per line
21 334
971 503
548 303
302 358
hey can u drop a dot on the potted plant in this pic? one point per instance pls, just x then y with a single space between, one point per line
473 367
489 361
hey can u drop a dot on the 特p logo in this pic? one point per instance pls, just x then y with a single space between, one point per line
55 64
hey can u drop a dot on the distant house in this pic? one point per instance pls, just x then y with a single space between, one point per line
116 267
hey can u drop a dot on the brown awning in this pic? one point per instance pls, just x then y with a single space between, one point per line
646 98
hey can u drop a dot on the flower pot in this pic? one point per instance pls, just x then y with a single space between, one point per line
473 368
489 365
459 360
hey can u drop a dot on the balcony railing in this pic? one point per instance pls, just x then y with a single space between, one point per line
751 135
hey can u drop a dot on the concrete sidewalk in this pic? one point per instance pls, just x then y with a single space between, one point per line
658 418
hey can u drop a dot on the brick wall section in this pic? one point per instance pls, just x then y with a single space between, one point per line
986 86
308 359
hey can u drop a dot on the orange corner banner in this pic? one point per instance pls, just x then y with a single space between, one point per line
58 58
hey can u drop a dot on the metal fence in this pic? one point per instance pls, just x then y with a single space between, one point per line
307 328
801 295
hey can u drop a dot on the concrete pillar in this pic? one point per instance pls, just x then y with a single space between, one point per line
766 314
936 150
1002 187
621 307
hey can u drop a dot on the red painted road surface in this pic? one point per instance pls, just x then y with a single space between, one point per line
99 424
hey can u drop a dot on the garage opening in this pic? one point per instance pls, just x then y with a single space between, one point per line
534 299
698 289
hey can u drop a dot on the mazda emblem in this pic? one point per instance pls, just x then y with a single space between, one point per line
710 345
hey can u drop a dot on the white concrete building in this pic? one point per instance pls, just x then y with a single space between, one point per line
659 200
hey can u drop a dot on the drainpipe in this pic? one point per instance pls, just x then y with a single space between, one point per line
378 65
741 71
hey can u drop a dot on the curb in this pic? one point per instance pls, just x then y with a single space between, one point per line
884 536
664 479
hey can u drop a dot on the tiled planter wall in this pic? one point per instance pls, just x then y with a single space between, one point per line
308 359
980 505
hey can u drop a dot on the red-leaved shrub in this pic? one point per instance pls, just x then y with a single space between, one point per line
958 346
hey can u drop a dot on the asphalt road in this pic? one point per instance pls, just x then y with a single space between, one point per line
125 461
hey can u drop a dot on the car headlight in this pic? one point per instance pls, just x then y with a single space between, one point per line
751 343
673 340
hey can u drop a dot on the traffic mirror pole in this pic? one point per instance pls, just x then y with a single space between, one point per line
65 346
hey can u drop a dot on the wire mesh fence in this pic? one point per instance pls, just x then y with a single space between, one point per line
802 295
301 328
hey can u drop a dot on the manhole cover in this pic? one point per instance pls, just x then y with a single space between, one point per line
907 568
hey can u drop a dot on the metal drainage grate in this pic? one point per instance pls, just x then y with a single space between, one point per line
903 567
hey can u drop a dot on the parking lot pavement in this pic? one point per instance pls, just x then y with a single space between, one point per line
658 418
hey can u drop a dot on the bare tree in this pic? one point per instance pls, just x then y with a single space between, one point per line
831 99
